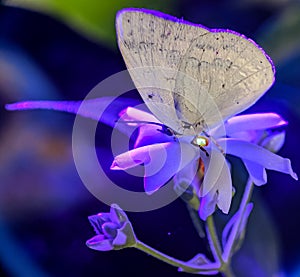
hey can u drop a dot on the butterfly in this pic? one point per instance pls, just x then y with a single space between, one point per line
191 78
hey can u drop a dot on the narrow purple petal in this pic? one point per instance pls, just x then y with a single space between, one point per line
110 229
133 114
150 134
252 152
65 106
100 243
257 173
260 121
274 141
120 239
150 128
224 188
249 122
220 195
117 215
137 156
92 108
208 204
97 220
216 177
164 165
213 166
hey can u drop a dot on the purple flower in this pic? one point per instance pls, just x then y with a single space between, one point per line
113 230
246 136
253 138
250 137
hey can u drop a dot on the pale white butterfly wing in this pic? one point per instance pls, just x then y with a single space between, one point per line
233 72
186 73
154 46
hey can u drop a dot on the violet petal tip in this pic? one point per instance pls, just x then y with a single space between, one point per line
114 166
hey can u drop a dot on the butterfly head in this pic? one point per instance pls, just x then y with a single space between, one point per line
201 142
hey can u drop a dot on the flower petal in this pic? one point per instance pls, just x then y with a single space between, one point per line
220 195
164 165
252 152
224 189
214 165
97 221
151 130
117 215
125 237
92 108
151 134
137 156
110 229
274 141
257 173
100 243
120 240
259 121
208 204
133 114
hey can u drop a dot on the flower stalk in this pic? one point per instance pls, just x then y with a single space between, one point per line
184 266
213 239
216 249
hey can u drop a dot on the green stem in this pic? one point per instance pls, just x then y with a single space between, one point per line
213 239
216 248
227 272
187 267
196 221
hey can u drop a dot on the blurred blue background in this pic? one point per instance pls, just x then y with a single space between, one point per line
59 51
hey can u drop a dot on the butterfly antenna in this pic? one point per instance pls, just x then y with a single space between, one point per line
139 121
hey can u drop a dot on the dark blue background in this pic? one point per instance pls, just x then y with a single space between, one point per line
43 204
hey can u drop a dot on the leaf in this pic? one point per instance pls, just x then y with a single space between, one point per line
95 19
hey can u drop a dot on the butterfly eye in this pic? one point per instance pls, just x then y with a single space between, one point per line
200 141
